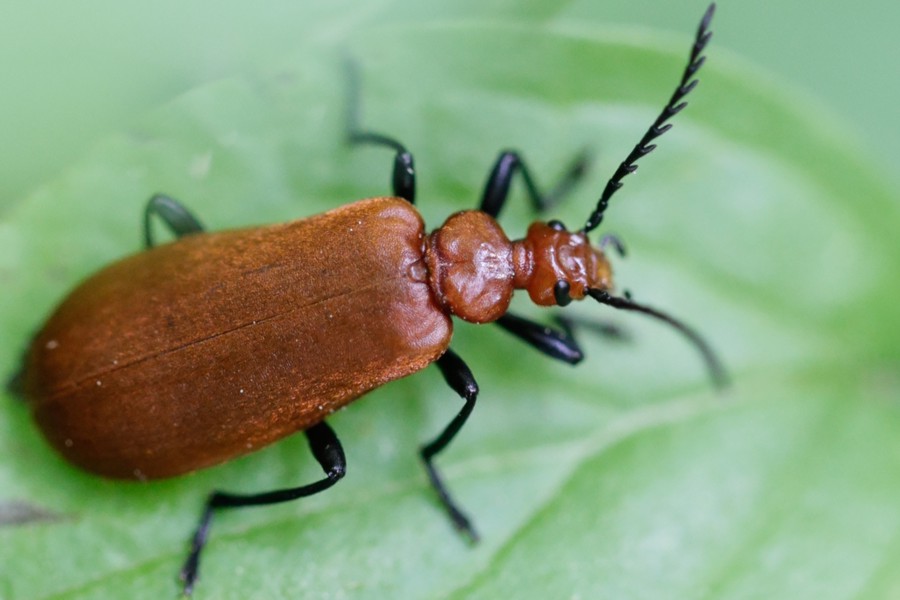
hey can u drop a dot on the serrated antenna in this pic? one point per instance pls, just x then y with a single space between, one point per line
660 126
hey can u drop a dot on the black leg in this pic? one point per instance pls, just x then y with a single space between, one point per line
173 213
459 377
327 450
403 180
558 344
508 164
604 329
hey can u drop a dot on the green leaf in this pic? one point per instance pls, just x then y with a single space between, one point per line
627 477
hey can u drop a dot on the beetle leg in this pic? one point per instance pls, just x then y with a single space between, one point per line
496 189
605 329
458 376
555 343
403 180
558 343
327 450
173 213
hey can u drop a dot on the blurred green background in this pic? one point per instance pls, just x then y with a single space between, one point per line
73 73
787 489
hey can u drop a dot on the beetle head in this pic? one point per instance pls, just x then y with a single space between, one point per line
564 265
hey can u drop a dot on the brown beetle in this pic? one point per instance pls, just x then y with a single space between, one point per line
233 340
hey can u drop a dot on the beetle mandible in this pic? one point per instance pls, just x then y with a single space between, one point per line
236 339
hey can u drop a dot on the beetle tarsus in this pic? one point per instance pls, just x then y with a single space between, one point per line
189 570
460 521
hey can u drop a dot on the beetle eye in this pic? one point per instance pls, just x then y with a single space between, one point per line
556 224
561 293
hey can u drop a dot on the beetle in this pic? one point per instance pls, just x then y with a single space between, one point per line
233 340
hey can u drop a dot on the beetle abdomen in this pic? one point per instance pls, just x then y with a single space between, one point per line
201 350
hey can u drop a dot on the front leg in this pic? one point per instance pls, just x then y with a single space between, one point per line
496 189
555 343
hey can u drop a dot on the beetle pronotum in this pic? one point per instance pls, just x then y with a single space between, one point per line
338 304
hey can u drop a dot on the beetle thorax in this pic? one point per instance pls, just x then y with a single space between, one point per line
470 264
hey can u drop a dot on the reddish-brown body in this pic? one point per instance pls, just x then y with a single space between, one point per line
217 344
214 345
